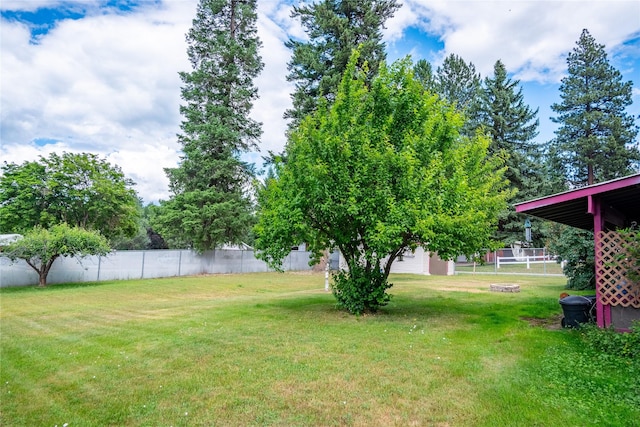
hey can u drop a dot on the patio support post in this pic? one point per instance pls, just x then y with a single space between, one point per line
603 313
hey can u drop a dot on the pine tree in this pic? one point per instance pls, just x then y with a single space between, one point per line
595 142
209 205
458 82
335 28
423 72
596 136
512 126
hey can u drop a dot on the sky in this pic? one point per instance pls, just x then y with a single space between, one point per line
101 76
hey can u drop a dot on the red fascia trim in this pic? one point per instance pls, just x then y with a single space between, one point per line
579 193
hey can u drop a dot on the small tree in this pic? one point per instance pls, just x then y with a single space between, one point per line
40 247
379 172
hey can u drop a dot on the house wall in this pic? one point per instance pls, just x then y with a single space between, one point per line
415 263
442 267
419 262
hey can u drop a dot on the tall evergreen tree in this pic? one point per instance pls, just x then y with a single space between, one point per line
512 126
209 205
335 28
423 73
596 136
458 82
595 142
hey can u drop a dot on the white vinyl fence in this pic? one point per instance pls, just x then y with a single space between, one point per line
124 265
524 257
513 261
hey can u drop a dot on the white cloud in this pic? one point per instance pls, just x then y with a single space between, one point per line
273 87
532 37
108 83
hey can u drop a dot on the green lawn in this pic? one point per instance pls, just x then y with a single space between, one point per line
271 349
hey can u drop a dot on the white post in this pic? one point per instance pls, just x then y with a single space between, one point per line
528 265
497 262
326 273
142 272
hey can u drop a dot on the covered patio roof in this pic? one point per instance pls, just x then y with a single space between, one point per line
619 200
601 208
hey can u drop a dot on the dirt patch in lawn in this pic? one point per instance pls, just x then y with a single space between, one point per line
547 322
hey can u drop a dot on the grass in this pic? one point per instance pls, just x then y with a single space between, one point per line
549 268
271 349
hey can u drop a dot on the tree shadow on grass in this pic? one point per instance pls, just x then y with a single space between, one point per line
52 287
429 308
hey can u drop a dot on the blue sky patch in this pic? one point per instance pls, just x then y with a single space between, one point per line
41 142
43 20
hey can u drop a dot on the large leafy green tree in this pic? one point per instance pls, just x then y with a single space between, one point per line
379 172
596 137
512 126
40 247
209 204
335 28
78 189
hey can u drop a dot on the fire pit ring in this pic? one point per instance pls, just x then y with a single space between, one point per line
504 287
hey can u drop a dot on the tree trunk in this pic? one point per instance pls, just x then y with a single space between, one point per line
232 23
43 278
43 272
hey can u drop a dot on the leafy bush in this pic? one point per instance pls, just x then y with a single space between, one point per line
610 342
576 248
631 252
360 290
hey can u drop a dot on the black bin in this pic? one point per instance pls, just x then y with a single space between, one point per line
577 309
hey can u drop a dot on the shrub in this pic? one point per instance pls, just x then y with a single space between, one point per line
631 252
360 290
608 341
576 248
